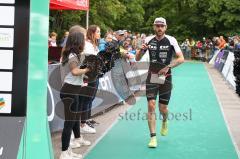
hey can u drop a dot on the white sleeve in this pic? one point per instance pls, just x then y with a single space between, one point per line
149 38
175 45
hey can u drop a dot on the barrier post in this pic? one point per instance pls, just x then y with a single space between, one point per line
36 139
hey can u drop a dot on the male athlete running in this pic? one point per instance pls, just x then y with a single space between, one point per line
159 51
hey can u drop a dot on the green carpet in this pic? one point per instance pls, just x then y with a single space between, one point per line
197 131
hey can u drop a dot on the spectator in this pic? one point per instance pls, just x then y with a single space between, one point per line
118 69
236 42
199 46
52 41
75 28
185 49
130 52
109 31
143 37
139 41
209 46
216 41
230 44
188 49
134 42
78 28
64 39
192 47
125 34
129 35
76 140
128 41
69 93
91 48
114 36
222 43
108 38
120 37
215 46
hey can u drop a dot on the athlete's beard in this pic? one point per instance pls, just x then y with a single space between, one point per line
159 34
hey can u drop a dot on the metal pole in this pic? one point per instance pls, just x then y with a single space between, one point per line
87 19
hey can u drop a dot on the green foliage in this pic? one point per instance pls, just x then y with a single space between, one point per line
185 18
132 19
61 21
106 13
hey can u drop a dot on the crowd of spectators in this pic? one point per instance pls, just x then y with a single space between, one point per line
204 49
129 42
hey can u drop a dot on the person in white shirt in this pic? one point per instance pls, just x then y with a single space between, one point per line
91 48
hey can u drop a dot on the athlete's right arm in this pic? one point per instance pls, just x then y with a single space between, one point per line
138 55
144 48
140 52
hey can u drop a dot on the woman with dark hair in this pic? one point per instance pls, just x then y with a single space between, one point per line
72 77
75 28
91 48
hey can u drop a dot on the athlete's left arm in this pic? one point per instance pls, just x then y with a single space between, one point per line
180 58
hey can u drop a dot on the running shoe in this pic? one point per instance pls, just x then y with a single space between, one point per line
164 129
153 142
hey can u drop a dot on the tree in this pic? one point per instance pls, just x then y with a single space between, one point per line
185 18
106 13
61 21
133 17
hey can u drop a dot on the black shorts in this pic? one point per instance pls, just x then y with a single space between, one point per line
164 90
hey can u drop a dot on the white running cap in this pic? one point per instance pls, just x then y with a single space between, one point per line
160 20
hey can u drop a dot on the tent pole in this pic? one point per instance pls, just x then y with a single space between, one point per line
87 19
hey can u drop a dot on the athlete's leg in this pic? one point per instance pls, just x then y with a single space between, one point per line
164 98
164 112
163 108
151 91
152 116
152 123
